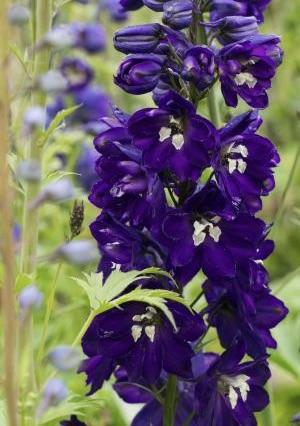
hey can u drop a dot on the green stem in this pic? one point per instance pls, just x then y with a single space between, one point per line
50 303
83 329
170 401
8 305
213 107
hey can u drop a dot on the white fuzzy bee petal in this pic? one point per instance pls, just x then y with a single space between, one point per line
150 332
178 141
136 332
164 133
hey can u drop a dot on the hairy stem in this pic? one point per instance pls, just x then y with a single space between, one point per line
7 248
42 19
170 401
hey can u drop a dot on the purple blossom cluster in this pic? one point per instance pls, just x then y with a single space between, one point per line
180 192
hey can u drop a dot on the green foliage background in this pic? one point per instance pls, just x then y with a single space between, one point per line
71 305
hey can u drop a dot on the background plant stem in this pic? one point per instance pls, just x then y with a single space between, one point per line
267 417
170 401
7 247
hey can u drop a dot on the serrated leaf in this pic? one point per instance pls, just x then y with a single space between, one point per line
55 123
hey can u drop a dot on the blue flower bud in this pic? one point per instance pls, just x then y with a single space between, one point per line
89 37
131 4
57 191
18 14
296 420
139 74
60 37
54 392
29 170
138 38
234 28
30 298
52 82
35 118
78 252
65 358
178 14
157 5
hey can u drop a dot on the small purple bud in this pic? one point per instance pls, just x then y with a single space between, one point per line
199 66
157 5
57 191
232 29
85 166
30 298
78 252
89 37
18 14
30 171
53 82
131 4
138 38
139 74
65 358
115 9
222 8
35 118
54 392
178 14
296 419
72 422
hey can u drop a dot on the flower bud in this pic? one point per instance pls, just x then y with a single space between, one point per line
57 191
138 38
72 422
199 66
53 82
232 29
89 37
29 170
296 420
18 14
157 5
116 11
131 4
139 74
78 252
222 8
77 72
178 14
35 118
30 298
60 37
54 392
65 358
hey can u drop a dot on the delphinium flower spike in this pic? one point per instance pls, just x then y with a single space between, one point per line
180 192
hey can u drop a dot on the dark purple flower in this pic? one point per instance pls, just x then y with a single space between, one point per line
232 29
209 235
244 162
222 8
173 137
124 246
131 4
177 14
116 11
230 391
77 72
140 73
139 337
85 167
138 38
74 421
238 311
246 69
199 66
156 5
90 37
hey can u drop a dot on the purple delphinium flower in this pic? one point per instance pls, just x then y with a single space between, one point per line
116 11
177 14
77 72
173 137
232 29
246 69
222 8
210 234
139 74
156 5
230 390
139 337
74 421
90 37
199 67
244 161
131 4
138 38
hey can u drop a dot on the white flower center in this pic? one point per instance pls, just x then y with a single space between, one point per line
238 163
166 133
145 325
203 228
245 78
236 387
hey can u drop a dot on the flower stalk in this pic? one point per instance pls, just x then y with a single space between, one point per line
8 289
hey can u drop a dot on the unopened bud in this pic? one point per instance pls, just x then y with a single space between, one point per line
29 170
30 298
52 82
65 358
80 252
60 37
76 219
18 14
54 392
35 118
56 192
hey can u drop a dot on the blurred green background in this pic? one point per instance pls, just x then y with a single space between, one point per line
282 126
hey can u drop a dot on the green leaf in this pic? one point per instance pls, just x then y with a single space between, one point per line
18 54
55 123
73 405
